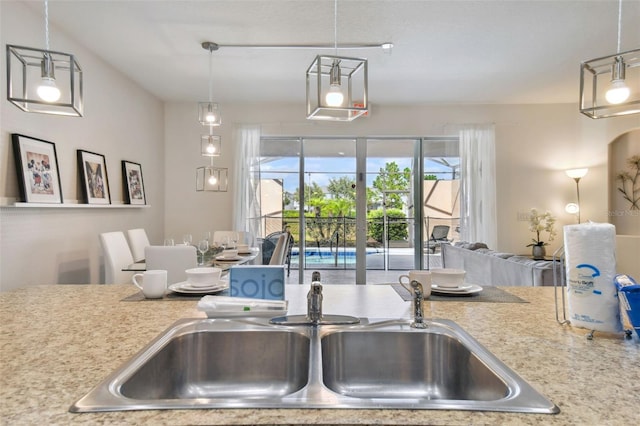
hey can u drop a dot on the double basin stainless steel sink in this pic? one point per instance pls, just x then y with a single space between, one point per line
249 363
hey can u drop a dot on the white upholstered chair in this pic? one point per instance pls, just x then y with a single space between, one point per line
279 255
117 255
174 259
138 240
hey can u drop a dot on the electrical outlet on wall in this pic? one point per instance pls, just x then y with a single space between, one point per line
523 216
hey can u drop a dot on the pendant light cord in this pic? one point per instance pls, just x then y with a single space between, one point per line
210 75
335 27
619 23
46 24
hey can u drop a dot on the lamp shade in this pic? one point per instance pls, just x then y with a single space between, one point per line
44 81
337 88
572 208
576 173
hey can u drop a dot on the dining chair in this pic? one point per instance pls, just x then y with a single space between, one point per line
279 255
174 259
138 240
117 255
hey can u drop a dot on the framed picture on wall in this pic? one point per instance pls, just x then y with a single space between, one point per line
37 167
93 177
133 183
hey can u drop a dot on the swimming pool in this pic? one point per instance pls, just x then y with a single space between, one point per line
324 256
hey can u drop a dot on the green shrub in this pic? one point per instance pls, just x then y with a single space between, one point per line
397 225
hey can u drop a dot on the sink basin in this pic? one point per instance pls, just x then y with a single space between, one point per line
442 367
249 363
199 363
381 364
243 366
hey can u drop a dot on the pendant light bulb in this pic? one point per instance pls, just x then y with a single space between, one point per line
212 180
211 116
48 91
618 93
334 97
211 149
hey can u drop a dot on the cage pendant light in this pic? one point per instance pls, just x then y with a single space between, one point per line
43 80
209 112
212 179
610 85
337 86
210 145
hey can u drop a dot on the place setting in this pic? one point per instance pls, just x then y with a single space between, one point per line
450 282
229 255
201 281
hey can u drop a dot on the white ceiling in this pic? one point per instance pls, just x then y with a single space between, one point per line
518 51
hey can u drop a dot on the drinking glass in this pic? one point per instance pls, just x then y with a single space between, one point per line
203 247
234 239
187 239
169 242
207 236
224 243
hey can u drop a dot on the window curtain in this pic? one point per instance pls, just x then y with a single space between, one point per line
478 184
246 200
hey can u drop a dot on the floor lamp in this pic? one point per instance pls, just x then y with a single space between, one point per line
577 174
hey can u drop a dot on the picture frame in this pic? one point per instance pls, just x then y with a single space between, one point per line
92 168
133 183
37 167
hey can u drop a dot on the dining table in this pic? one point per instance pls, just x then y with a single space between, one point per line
225 264
211 258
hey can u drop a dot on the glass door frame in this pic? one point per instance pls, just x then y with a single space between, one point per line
361 200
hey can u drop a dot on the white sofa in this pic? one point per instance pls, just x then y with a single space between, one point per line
487 267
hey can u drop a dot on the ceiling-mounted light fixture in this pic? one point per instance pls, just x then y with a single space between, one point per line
208 112
212 179
210 145
610 86
42 80
337 87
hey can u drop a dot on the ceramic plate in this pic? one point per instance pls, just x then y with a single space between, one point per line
456 292
185 287
249 251
463 287
228 259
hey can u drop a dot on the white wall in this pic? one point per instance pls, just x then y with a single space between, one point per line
49 246
535 144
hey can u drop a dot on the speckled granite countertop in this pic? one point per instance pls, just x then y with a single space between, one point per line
57 342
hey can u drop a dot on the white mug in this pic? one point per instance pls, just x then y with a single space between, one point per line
423 277
154 283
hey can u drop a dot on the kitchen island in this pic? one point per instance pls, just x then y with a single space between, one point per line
59 341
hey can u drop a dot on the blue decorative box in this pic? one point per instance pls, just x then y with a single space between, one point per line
257 281
629 297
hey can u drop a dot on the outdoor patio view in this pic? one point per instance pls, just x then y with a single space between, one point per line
323 216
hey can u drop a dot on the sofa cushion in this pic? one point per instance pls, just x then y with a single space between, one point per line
470 246
502 255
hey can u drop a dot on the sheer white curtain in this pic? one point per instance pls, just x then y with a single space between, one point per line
478 186
246 200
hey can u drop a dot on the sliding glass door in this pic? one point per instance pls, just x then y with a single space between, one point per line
361 209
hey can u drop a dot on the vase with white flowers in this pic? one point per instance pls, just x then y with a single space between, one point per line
539 223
